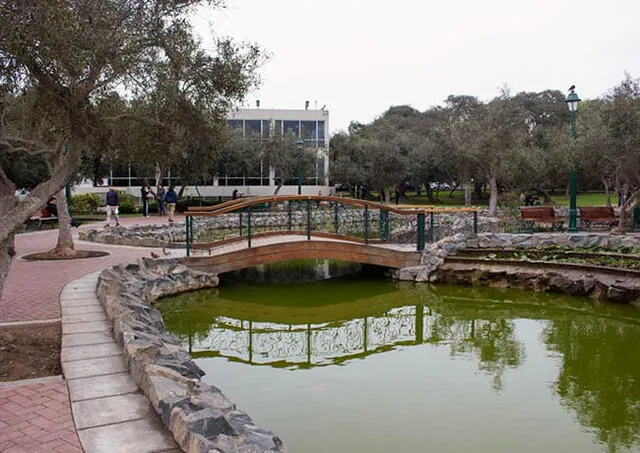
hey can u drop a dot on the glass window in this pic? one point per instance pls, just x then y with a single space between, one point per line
292 127
266 128
234 124
252 128
278 128
308 130
321 130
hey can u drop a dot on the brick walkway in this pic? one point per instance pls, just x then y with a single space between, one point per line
32 289
36 417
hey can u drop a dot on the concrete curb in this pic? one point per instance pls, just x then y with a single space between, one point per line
38 323
111 415
23 382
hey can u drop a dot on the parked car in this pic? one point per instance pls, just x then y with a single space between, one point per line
439 186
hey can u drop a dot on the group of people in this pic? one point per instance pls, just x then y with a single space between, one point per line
166 202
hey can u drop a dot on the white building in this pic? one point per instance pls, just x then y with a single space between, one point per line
311 126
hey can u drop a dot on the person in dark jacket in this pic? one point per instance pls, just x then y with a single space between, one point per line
160 192
170 199
112 205
147 195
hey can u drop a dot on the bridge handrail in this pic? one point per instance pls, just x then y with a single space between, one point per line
240 203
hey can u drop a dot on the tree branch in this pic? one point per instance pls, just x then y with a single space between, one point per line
31 147
141 119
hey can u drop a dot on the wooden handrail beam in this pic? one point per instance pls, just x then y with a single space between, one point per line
241 203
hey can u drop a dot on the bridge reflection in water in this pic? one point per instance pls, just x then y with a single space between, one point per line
293 336
591 346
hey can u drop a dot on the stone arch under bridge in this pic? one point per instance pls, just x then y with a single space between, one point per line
336 250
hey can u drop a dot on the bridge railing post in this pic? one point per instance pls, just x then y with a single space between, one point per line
420 219
249 226
289 214
187 234
309 220
431 224
384 224
366 224
335 217
240 223
475 222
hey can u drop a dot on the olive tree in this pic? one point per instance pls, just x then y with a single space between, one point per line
69 54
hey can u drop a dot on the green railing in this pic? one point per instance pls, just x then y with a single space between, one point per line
321 216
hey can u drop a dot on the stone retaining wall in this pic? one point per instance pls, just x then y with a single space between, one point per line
198 415
402 228
625 290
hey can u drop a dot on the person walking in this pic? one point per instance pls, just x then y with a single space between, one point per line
112 202
170 198
146 194
160 193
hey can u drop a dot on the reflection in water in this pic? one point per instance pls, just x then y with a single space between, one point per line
600 375
304 326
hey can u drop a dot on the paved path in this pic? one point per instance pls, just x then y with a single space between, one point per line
36 416
32 289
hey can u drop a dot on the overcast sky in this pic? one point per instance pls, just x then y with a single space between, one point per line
359 57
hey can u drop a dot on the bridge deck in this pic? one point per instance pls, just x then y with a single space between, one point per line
236 256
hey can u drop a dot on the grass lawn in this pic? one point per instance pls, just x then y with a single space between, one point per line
585 199
457 199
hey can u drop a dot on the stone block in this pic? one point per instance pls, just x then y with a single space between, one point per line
83 339
70 354
137 436
101 386
93 367
112 409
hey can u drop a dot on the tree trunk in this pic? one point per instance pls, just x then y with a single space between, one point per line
605 183
7 244
467 193
493 196
14 214
159 172
429 190
626 209
65 246
454 188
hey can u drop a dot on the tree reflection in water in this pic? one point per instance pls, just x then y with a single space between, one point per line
331 323
600 375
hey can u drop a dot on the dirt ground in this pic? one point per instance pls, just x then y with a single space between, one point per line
29 352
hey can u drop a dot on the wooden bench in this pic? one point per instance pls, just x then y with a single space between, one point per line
600 215
43 217
539 215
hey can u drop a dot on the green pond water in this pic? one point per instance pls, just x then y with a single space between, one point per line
377 366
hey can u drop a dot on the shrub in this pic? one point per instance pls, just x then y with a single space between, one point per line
184 203
85 203
127 203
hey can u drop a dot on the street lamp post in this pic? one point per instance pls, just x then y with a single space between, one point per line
572 102
299 142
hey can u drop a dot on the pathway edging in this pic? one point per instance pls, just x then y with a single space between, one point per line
110 413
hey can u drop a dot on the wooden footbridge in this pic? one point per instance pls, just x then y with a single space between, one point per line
248 232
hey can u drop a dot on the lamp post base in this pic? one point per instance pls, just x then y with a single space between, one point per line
573 205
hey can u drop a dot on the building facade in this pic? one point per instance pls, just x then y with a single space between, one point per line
310 126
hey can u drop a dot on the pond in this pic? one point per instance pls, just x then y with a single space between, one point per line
361 365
